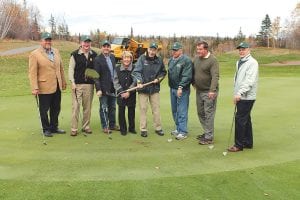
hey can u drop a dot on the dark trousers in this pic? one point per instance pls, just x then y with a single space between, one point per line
51 103
122 118
243 125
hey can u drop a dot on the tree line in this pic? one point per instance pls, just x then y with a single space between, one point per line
20 21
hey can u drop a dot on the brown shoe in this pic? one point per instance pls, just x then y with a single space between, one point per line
106 130
88 131
73 133
204 141
234 149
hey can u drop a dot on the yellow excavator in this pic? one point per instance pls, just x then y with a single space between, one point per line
121 44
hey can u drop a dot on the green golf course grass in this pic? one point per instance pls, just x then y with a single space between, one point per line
132 167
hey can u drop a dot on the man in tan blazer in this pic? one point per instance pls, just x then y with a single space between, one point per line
46 75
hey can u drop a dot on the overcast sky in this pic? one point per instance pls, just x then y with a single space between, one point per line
161 17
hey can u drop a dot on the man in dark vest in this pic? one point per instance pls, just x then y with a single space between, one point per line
82 86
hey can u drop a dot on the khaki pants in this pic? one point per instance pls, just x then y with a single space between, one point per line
83 96
154 102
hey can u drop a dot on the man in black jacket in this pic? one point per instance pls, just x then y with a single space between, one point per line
105 65
149 67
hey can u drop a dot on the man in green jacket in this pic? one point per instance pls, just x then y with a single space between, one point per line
180 73
206 83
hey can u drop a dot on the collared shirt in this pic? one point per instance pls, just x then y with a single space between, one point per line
208 54
173 60
50 54
110 66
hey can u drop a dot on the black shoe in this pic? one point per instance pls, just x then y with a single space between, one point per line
144 133
58 131
48 133
159 132
132 131
123 133
88 131
114 128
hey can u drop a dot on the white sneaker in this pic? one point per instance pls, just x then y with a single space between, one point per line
175 132
181 136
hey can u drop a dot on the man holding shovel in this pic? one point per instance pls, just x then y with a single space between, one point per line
149 68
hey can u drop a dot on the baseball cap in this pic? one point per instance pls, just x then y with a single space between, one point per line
153 45
105 42
46 35
85 38
243 45
176 46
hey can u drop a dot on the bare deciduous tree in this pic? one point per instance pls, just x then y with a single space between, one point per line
7 16
275 30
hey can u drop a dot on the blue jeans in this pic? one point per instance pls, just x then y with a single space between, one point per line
180 107
107 111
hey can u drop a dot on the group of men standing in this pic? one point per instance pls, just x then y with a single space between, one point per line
114 83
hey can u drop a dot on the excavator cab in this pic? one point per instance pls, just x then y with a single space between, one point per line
121 44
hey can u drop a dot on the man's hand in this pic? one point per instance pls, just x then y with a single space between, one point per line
236 98
99 93
35 92
194 86
125 95
179 92
64 86
155 80
139 85
212 95
73 86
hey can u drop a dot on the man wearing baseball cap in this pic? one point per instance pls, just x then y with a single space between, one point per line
149 69
105 64
82 86
47 79
245 87
180 73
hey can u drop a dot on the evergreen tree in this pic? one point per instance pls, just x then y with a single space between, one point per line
240 36
265 32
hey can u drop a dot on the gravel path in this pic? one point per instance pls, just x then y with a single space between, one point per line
18 50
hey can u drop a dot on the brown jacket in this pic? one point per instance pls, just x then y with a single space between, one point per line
44 74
